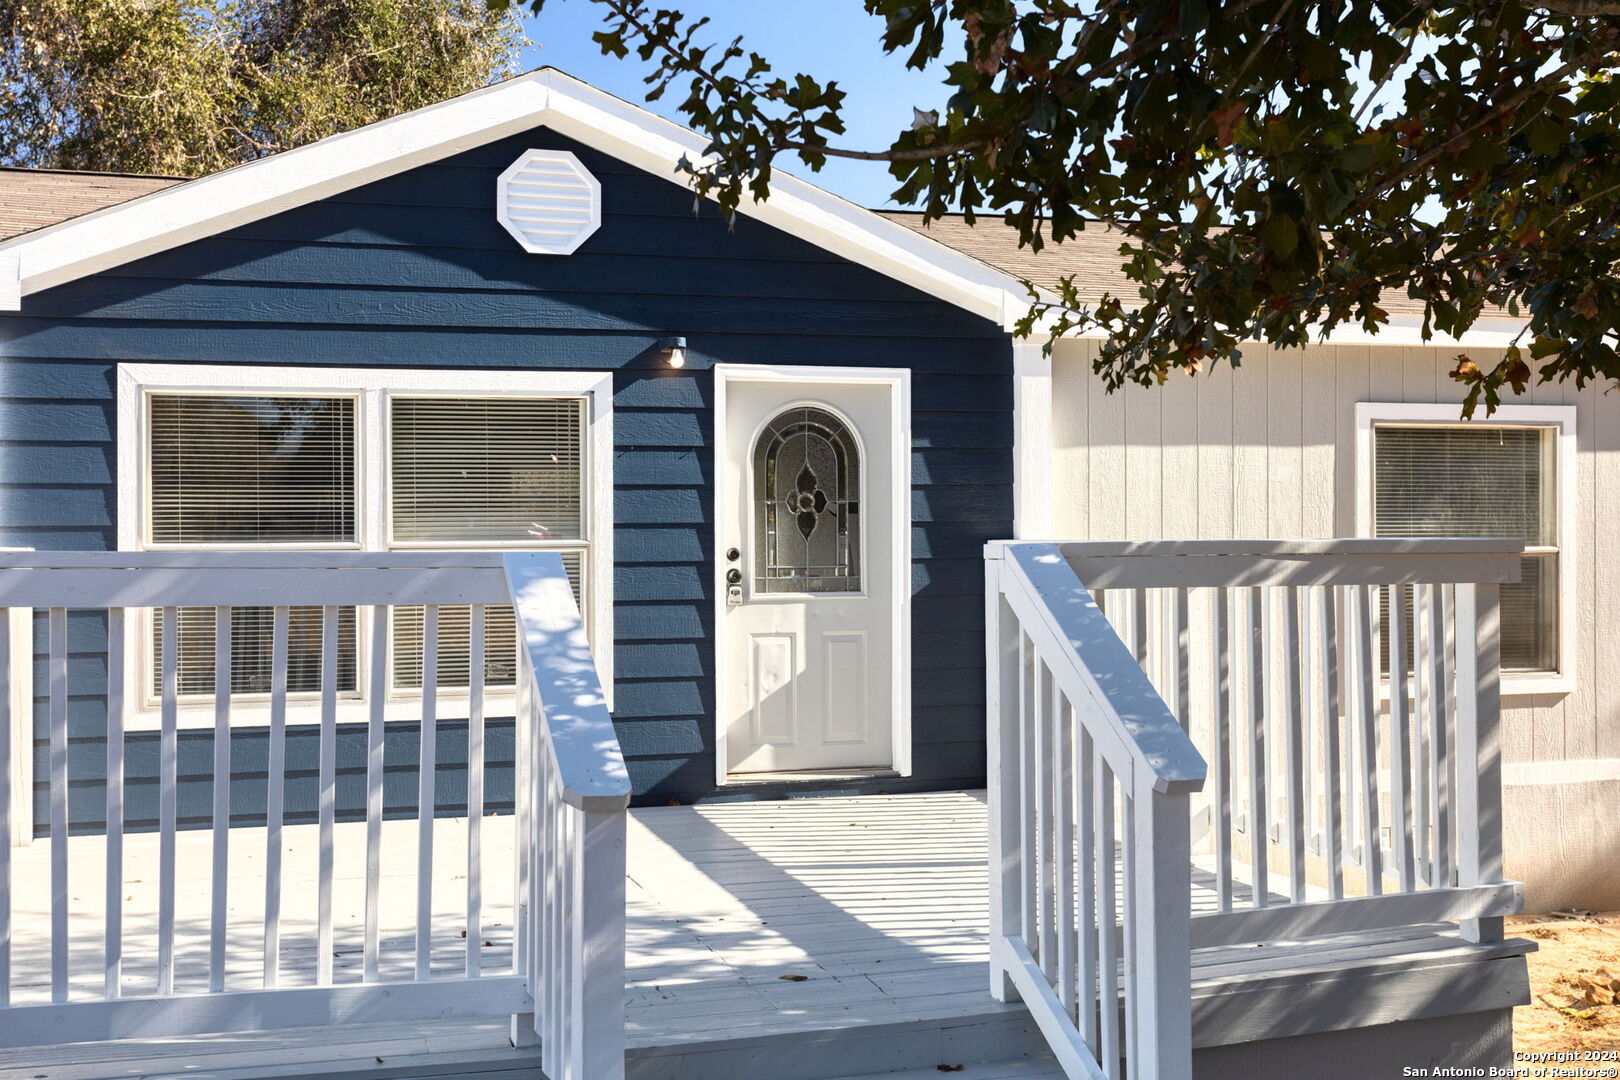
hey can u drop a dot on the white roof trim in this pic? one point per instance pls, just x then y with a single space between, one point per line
212 204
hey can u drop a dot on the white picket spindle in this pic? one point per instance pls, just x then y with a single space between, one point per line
326 797
1354 863
1090 886
113 933
571 776
427 790
222 799
275 794
8 632
58 772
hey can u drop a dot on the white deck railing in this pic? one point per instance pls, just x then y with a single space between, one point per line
1347 791
565 982
1090 873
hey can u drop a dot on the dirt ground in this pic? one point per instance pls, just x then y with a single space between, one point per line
1574 982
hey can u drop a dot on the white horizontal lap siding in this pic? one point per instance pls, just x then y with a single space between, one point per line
1269 450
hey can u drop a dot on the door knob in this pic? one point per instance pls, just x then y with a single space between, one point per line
733 576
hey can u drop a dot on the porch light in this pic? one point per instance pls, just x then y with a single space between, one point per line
674 350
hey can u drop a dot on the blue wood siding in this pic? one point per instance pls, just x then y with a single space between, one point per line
414 271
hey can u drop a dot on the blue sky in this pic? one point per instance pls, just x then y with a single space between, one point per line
831 40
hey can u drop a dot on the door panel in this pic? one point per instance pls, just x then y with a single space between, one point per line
807 506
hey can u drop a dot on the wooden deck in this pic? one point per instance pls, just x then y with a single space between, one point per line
747 921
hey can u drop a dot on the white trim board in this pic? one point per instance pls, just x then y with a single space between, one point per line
544 98
372 386
899 382
1444 414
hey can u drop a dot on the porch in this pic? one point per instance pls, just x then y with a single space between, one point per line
1334 888
879 902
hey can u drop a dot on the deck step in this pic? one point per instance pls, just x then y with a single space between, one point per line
1021 1069
918 1045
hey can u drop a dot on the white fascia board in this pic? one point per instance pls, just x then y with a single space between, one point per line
647 141
204 207
224 200
10 283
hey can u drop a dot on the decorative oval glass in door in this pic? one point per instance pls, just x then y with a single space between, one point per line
807 486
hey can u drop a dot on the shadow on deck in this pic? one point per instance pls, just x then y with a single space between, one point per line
793 939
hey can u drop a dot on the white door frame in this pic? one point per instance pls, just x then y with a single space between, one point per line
898 380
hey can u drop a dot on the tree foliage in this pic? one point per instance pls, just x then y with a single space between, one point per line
1276 166
187 87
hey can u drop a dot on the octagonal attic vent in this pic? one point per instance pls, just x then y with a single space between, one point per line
548 202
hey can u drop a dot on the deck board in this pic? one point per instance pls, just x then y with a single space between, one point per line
876 904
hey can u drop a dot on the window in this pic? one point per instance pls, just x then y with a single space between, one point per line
807 489
1432 475
231 458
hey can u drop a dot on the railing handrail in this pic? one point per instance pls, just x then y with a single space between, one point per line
589 758
1122 692
590 762
1137 564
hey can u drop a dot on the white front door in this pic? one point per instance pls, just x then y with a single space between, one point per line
807 551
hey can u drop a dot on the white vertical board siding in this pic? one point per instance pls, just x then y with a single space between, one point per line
1269 450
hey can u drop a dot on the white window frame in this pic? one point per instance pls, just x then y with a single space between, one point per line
373 389
1560 418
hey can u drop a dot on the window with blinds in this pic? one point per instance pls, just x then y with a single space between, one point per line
506 471
1474 480
486 470
240 470
251 643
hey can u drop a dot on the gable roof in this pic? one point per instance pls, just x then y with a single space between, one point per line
35 198
170 214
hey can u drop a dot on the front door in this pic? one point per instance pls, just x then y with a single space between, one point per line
807 553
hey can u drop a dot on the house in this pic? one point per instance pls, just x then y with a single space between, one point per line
460 465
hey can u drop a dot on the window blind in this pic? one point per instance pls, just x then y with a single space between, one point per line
455 640
251 644
1458 480
469 470
236 469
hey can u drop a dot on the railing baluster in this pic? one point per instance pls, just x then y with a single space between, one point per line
275 793
168 798
1327 640
1129 914
1107 942
1063 754
1045 945
1180 607
58 672
1479 750
1026 784
8 747
1400 742
475 790
1259 810
1087 862
1366 720
219 908
376 762
1440 713
1221 767
1295 820
1421 780
114 932
426 792
327 798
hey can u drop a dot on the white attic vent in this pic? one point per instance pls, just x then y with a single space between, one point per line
548 202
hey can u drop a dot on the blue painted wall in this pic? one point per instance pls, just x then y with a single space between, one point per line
414 271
